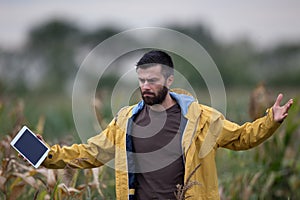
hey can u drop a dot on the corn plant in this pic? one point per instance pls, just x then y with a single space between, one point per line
180 193
20 181
272 169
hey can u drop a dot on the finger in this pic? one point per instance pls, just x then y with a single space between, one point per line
291 101
39 136
22 157
285 115
288 104
278 100
286 108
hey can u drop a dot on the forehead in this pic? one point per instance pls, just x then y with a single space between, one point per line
150 72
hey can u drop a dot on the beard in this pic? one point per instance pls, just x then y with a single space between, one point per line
156 99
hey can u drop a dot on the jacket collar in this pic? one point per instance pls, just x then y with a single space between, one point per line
183 100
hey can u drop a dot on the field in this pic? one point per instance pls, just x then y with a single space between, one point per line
270 171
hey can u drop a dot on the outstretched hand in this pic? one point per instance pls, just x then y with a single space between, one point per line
281 112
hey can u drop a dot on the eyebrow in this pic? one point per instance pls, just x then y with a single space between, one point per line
149 80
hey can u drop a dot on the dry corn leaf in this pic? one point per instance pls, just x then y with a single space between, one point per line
28 179
49 174
68 190
43 171
5 146
40 125
21 166
81 187
68 176
51 178
95 172
96 182
32 172
2 183
5 162
16 191
47 197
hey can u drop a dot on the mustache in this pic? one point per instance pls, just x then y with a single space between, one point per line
146 92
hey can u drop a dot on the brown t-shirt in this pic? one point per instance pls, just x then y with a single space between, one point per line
158 156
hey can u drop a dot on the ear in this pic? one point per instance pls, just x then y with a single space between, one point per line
169 81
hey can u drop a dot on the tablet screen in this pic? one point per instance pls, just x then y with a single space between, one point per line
32 148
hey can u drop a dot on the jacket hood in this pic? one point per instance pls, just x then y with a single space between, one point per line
182 97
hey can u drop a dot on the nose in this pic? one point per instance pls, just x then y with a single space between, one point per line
145 85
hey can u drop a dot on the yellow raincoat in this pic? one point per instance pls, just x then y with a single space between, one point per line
204 130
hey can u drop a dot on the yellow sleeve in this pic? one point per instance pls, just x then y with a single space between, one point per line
98 150
236 137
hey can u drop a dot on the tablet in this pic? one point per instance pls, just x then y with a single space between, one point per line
30 147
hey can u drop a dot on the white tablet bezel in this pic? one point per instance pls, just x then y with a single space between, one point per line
16 138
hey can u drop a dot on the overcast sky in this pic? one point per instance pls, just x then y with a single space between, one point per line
265 22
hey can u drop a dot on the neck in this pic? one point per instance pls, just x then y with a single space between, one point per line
167 103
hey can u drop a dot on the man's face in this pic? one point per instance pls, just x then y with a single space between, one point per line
153 85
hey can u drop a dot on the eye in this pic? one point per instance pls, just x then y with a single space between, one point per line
149 81
142 80
152 80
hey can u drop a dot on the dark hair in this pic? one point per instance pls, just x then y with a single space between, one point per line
155 57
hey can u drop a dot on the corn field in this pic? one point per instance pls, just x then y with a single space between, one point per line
271 171
18 180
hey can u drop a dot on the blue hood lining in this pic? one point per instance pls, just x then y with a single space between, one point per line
183 100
